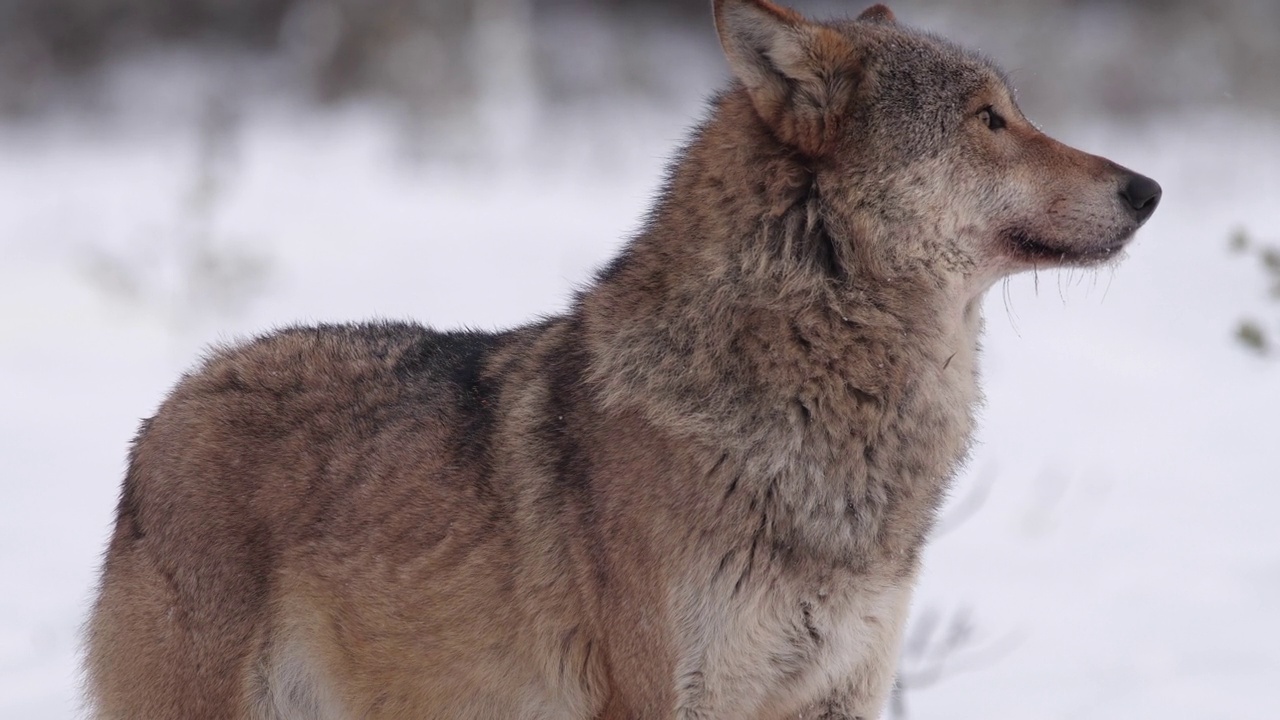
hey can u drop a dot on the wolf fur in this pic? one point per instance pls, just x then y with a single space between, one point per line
702 493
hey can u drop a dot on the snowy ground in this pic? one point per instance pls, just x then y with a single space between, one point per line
1125 562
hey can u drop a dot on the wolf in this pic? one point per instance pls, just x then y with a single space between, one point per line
701 493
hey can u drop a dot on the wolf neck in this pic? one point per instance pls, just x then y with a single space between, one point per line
742 318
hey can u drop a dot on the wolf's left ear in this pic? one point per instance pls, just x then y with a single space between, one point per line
800 75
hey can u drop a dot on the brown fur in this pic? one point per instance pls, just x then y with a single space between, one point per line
702 493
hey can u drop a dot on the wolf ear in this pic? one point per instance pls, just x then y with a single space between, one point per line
877 13
800 75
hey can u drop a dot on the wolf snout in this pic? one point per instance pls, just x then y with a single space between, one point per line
1142 194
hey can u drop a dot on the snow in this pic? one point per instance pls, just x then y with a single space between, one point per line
1124 563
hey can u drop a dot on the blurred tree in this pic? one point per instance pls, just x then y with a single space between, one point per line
193 273
1250 332
1136 55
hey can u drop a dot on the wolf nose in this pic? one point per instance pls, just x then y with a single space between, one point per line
1143 194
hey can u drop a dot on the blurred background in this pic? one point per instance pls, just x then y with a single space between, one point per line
179 173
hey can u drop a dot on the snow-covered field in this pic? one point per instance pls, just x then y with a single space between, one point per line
1125 562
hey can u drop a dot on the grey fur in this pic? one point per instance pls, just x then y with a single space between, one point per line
702 493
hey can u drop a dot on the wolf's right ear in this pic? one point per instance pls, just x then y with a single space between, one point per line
799 74
877 13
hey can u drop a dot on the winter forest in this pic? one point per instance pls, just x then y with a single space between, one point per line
175 174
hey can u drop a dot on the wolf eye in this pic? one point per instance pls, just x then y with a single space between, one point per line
990 118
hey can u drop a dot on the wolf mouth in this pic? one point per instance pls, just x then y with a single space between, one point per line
1030 247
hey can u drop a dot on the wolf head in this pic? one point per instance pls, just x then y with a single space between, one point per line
920 150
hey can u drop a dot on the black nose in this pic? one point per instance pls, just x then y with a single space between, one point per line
1143 194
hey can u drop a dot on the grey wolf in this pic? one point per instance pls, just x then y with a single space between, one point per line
701 493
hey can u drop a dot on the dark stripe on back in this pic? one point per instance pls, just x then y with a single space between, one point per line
562 429
450 366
